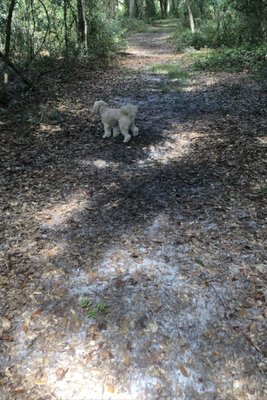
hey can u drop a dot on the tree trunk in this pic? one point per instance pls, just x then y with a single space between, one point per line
132 9
8 28
66 34
262 17
191 18
168 7
163 8
81 28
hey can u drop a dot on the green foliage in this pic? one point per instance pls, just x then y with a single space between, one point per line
40 32
133 25
237 59
221 23
102 307
172 70
105 37
85 302
92 309
184 39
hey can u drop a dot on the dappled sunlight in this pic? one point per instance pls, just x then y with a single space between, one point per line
48 128
52 251
99 163
56 215
135 271
160 312
262 140
178 145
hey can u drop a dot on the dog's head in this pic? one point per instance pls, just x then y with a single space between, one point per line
129 109
98 106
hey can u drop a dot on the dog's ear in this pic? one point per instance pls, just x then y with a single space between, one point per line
101 109
98 105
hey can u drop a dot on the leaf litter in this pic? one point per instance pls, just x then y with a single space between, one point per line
167 234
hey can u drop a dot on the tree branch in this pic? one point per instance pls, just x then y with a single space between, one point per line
11 65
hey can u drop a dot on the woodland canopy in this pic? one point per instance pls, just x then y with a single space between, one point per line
34 31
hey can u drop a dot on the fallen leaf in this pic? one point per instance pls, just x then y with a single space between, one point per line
126 360
183 371
18 390
7 338
60 373
110 388
36 313
25 328
5 324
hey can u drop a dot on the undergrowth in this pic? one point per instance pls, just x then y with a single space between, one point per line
231 59
131 25
171 70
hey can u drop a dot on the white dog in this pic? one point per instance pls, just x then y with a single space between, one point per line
117 119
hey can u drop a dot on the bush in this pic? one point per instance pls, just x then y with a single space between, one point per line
133 25
184 39
238 59
230 31
105 37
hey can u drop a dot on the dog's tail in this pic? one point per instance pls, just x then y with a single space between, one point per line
129 109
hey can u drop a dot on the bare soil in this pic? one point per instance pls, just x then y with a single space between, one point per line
165 235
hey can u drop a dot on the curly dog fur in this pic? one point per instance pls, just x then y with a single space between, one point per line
117 119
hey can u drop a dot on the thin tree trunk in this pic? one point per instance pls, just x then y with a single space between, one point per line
66 35
168 7
191 18
132 9
8 28
262 17
81 26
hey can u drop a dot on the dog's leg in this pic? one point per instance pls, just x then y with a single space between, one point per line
135 130
107 130
116 131
124 127
126 135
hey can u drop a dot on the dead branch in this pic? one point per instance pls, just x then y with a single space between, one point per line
18 72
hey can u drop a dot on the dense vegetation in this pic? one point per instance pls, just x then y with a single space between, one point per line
37 32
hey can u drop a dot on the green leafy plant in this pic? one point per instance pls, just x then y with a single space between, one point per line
91 313
226 59
92 309
85 302
102 307
184 39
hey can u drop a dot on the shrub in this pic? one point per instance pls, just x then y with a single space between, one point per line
132 25
105 37
238 59
184 38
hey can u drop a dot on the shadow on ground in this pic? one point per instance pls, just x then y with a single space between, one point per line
167 231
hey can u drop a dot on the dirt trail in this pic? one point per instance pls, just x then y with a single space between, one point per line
166 236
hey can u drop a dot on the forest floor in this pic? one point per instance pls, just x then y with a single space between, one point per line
138 270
